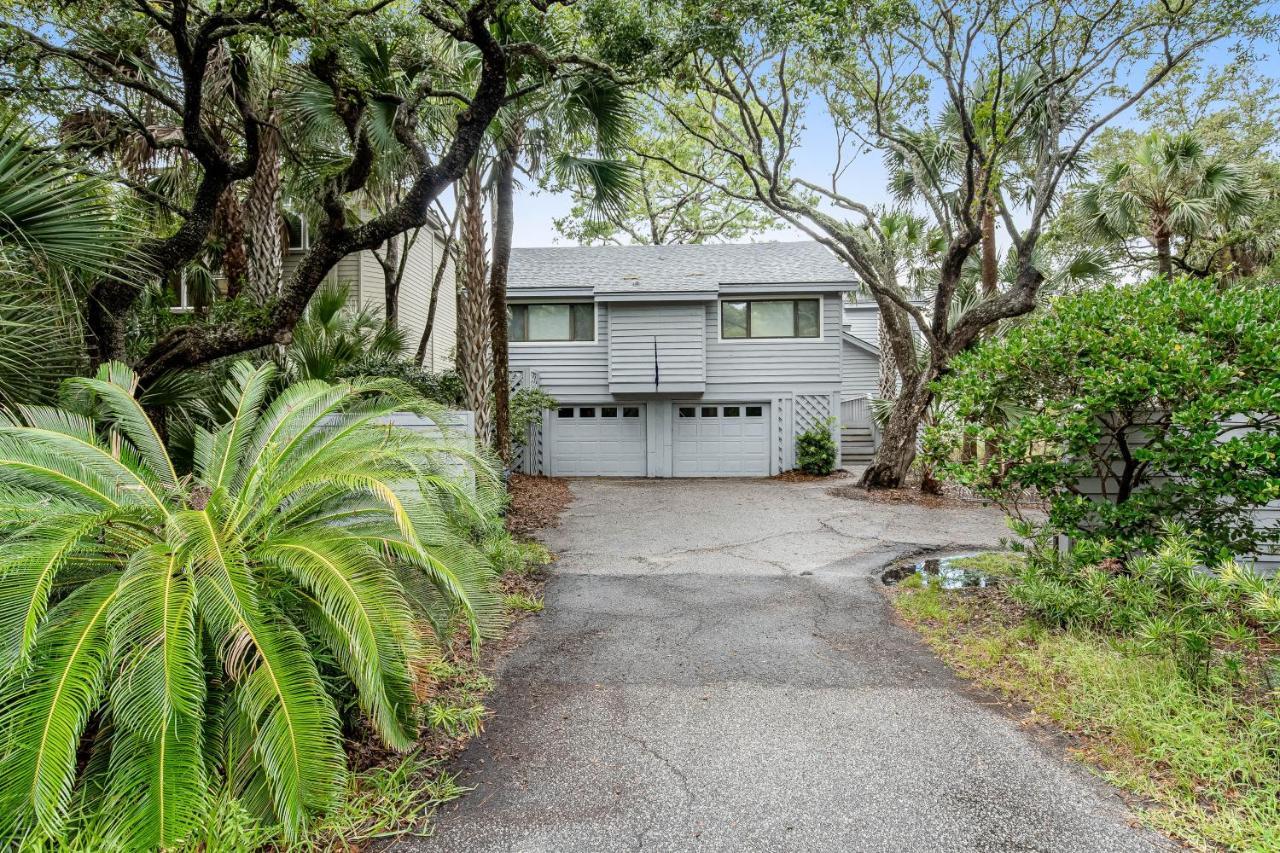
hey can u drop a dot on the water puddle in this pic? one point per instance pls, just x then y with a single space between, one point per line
941 572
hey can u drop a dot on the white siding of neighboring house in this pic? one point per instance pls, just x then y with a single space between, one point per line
864 322
363 275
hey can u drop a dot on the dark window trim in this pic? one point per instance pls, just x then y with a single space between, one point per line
795 320
573 323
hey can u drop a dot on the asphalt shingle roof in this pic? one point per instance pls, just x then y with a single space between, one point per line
680 268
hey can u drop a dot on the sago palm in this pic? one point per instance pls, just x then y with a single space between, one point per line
159 631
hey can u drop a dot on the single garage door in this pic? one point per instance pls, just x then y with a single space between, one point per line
598 441
721 440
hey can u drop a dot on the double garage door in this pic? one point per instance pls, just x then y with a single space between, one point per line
706 440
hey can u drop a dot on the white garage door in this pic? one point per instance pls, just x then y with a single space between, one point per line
721 440
598 441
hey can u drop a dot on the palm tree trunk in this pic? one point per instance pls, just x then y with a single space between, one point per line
503 225
229 228
474 326
888 367
262 209
1164 253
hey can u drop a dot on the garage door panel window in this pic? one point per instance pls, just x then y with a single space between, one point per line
551 322
754 411
732 411
609 412
630 412
564 413
708 411
688 412
771 318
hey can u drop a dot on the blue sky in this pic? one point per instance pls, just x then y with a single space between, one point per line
536 209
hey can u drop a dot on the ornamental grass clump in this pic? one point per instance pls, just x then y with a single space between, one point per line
160 629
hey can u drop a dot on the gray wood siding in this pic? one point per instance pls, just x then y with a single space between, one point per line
579 369
783 363
859 371
666 342
864 322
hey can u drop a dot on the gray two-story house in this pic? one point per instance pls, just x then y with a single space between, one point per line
682 361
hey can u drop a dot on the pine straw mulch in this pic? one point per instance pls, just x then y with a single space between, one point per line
797 476
536 503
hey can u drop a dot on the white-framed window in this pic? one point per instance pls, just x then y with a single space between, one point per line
551 322
299 233
741 319
186 303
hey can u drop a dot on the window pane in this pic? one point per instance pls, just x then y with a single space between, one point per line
588 412
549 323
708 411
609 412
584 322
732 411
687 411
808 320
631 411
564 413
518 322
733 319
754 411
773 319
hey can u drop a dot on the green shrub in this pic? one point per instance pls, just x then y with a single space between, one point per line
1166 393
527 408
444 388
171 638
816 449
1210 623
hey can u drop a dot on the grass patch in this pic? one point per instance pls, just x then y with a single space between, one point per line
993 563
523 603
1207 760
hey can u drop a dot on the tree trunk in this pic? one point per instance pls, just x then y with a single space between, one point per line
262 210
229 228
503 225
473 315
888 367
1164 254
445 253
990 287
391 276
898 438
990 261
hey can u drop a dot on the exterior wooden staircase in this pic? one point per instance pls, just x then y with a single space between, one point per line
858 433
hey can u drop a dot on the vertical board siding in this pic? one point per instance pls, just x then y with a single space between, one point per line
662 342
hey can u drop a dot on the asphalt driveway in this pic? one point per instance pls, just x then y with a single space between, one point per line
716 670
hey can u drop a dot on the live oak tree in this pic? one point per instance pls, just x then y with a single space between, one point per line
666 205
1027 84
146 71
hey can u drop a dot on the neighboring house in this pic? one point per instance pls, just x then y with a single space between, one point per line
363 275
682 361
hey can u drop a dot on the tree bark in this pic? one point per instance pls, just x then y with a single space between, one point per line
888 367
503 226
262 207
898 438
1164 253
474 326
229 227
392 273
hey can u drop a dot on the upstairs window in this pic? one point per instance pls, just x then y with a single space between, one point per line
771 318
551 321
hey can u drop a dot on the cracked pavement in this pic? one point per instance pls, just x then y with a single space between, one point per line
716 670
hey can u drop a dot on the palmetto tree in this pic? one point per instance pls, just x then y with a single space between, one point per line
56 228
1170 188
158 629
